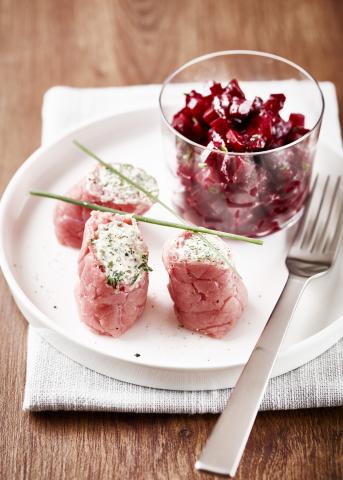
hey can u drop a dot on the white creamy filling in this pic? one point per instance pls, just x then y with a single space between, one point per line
120 250
117 189
204 248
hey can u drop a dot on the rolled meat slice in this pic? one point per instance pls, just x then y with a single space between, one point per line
102 187
208 294
113 273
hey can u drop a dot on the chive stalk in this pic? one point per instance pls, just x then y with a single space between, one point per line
144 219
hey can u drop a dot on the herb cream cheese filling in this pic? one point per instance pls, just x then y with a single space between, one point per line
203 248
116 189
121 251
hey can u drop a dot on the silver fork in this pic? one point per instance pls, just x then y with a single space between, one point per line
312 253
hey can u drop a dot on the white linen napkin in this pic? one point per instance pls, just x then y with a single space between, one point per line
54 382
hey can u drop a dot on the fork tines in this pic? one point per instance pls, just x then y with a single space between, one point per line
320 229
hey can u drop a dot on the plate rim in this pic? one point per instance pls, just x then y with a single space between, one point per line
45 321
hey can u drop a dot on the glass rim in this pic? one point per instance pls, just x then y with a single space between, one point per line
257 53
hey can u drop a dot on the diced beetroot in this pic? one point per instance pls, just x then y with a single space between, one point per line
297 119
220 126
216 89
235 141
292 186
192 94
240 108
197 107
276 143
225 100
253 125
186 111
261 124
183 124
240 172
209 177
275 102
232 170
280 128
296 133
234 89
255 143
207 98
218 107
198 132
256 105
188 126
215 138
210 116
211 157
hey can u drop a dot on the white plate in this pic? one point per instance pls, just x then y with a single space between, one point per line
41 274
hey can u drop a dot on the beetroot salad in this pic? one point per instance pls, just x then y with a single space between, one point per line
225 119
225 188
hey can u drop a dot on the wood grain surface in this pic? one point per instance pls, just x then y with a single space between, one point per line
101 43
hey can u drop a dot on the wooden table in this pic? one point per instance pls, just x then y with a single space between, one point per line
100 43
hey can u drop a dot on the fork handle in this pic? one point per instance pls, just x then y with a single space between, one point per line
225 446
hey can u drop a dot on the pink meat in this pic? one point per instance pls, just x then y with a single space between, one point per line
105 309
69 220
208 297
